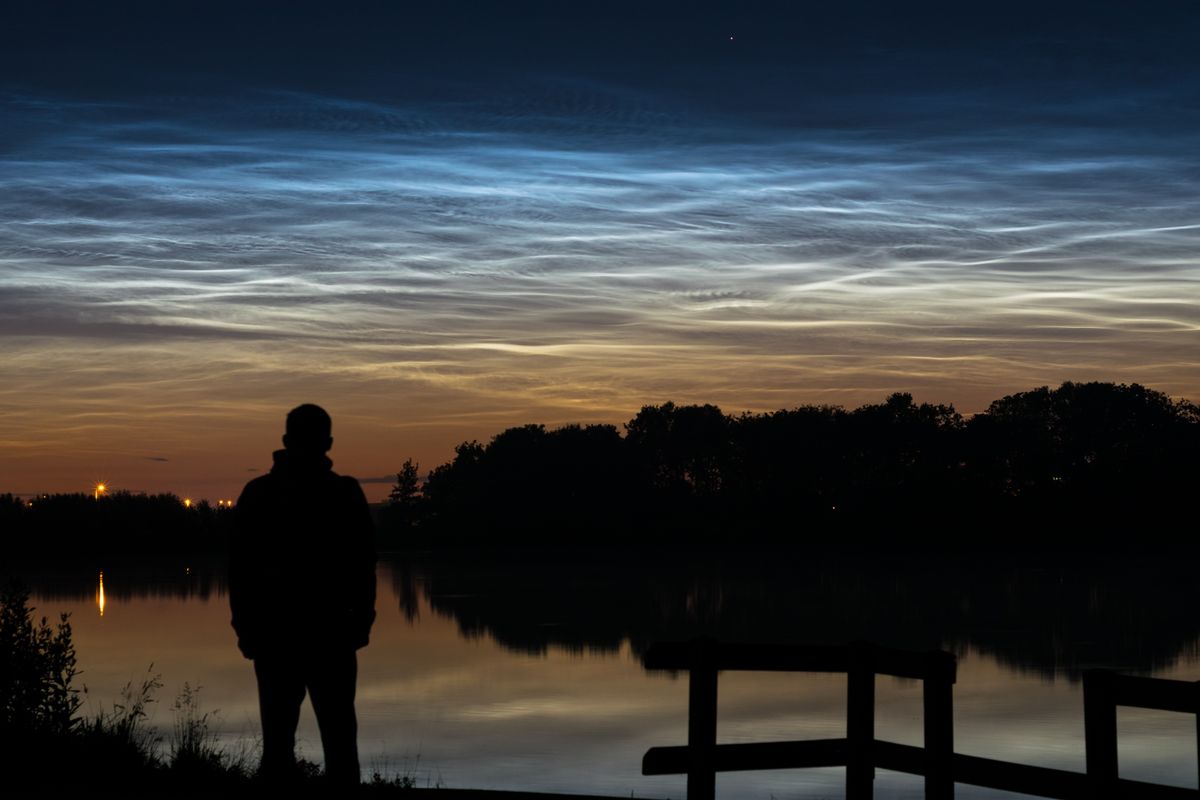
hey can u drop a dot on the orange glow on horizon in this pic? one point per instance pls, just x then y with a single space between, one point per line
215 454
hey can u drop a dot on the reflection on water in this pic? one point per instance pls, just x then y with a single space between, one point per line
1052 619
100 594
491 676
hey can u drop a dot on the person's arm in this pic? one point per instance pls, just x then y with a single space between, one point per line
363 558
243 589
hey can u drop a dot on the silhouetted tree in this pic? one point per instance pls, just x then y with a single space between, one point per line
405 506
682 448
532 484
897 474
683 460
788 469
900 462
1078 465
1087 457
120 522
407 487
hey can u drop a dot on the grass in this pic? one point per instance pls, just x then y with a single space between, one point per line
117 750
48 749
46 745
385 776
118 747
45 741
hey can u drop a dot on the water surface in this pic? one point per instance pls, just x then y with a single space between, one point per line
528 675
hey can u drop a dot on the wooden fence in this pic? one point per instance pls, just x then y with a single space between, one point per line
861 753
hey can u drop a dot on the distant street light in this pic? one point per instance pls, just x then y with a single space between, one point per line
100 489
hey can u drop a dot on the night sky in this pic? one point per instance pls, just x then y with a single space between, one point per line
441 219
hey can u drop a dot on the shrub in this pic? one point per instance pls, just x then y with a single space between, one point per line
37 667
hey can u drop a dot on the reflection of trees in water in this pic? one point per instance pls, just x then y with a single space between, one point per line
1047 618
124 578
1050 619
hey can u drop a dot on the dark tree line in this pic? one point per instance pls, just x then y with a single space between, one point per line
1082 465
118 523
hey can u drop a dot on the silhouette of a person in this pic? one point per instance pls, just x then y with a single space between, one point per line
302 593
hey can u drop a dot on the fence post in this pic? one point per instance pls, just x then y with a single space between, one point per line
1196 711
1100 732
702 720
940 669
860 722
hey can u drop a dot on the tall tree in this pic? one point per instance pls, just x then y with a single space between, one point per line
408 485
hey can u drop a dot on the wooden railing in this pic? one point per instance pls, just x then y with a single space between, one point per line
861 753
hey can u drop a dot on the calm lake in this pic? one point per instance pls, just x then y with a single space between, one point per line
512 673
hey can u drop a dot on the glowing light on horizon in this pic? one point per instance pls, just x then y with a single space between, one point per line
100 489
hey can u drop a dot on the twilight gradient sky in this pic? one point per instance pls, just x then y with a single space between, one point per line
441 219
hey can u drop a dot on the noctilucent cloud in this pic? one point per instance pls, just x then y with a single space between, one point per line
441 222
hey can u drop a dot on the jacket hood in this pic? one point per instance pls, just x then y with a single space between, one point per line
300 465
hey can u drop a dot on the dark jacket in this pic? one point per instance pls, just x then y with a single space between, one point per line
302 560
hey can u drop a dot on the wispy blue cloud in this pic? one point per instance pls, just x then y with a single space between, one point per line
586 249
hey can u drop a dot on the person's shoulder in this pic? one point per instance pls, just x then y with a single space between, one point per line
348 485
347 481
256 487
258 484
260 480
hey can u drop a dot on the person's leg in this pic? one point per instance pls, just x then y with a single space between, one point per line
331 682
280 693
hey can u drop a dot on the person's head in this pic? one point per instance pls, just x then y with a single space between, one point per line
308 429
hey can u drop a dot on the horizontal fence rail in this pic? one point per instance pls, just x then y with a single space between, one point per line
861 753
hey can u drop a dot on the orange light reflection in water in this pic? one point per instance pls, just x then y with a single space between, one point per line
100 594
